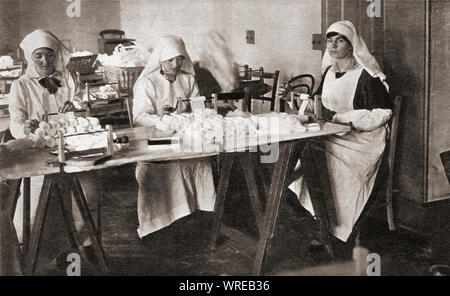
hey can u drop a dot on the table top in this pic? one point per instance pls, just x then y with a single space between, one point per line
35 162
27 163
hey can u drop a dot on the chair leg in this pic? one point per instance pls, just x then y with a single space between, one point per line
26 213
389 210
127 101
84 209
38 227
65 201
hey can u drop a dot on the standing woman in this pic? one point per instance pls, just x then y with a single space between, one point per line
46 86
168 190
354 92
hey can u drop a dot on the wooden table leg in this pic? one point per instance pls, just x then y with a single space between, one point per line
26 214
277 188
130 117
10 252
35 238
248 169
225 171
84 209
65 199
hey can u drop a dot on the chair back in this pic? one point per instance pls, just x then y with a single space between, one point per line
391 160
258 86
301 84
112 33
394 132
229 98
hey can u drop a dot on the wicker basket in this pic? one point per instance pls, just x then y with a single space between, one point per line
125 77
83 65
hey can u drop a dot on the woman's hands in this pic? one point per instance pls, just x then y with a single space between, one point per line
30 126
283 90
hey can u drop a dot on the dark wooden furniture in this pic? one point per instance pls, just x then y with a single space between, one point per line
110 39
259 84
301 84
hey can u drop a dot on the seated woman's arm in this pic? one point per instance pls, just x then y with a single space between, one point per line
143 94
372 106
17 110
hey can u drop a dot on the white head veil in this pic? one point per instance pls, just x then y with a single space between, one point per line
168 47
360 50
43 38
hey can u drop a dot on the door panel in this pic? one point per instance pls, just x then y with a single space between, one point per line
439 139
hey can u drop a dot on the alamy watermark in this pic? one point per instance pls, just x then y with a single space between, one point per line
374 8
233 136
74 8
74 267
374 266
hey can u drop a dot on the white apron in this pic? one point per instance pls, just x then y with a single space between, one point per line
171 190
353 158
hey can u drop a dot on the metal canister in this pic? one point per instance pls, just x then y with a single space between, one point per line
318 106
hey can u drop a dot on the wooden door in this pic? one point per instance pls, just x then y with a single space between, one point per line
439 102
368 21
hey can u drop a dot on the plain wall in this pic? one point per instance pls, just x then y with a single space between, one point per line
82 32
9 32
283 29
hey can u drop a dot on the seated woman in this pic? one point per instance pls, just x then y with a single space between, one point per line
168 190
354 92
47 86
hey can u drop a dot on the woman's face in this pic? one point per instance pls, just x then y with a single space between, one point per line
44 60
339 47
173 65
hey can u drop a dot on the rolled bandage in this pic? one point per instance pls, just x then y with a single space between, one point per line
73 122
70 130
53 123
62 123
52 131
83 122
40 132
44 126
50 141
93 120
81 129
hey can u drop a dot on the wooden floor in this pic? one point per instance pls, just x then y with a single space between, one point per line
182 248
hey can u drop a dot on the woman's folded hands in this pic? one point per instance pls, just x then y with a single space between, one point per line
364 120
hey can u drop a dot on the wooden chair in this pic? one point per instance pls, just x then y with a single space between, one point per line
243 95
303 83
111 111
445 158
383 188
255 80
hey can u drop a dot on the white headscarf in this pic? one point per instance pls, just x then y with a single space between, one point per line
167 48
360 50
43 38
